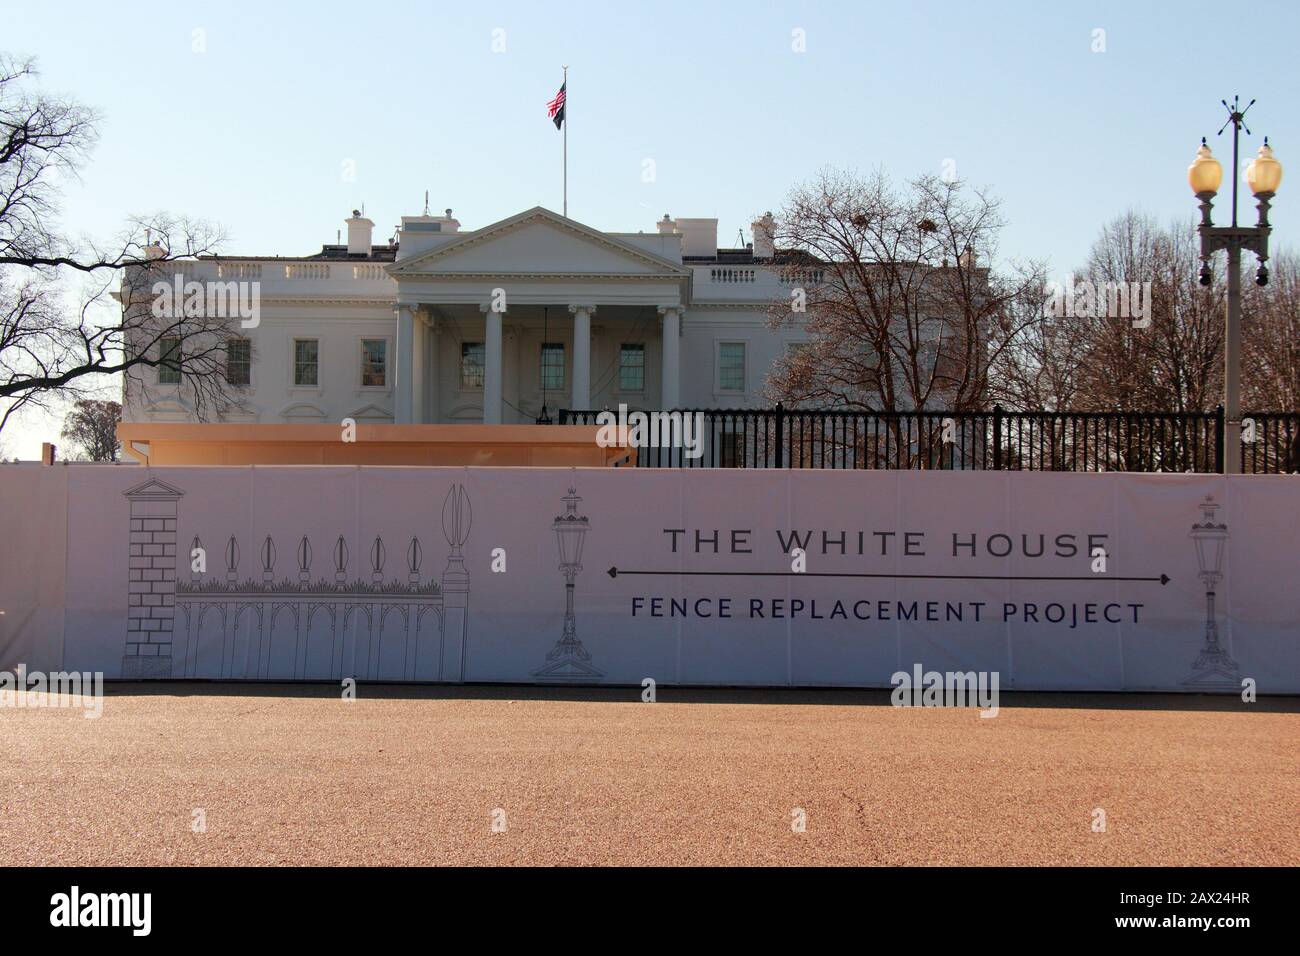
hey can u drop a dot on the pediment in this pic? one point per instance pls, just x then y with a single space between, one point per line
153 488
371 413
299 411
168 410
537 242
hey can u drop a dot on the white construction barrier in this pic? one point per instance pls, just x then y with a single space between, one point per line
1055 581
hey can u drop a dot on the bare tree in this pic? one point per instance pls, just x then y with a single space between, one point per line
1104 362
1042 363
91 427
1174 362
902 314
1271 338
56 342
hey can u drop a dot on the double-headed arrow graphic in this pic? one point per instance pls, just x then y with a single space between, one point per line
615 572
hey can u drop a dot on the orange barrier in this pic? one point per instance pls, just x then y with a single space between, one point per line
165 443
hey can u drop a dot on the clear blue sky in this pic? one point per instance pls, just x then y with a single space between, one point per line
253 133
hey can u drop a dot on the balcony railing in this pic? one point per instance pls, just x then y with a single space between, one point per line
731 276
802 277
307 270
981 441
237 270
287 272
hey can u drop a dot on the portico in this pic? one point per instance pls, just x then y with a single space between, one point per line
534 312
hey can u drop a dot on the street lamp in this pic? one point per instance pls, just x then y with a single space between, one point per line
571 532
1264 176
568 659
1211 539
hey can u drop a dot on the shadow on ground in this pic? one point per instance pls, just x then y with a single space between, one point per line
830 696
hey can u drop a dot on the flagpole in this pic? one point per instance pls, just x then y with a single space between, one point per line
566 142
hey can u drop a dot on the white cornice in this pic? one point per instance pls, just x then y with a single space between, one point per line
329 300
417 265
757 305
552 276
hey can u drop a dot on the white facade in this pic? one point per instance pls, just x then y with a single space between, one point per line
454 324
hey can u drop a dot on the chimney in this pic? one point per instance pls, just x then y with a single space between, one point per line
967 258
360 230
699 237
666 226
764 236
47 453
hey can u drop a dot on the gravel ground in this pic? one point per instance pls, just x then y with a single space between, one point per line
415 775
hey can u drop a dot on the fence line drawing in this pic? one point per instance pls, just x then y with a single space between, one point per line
271 625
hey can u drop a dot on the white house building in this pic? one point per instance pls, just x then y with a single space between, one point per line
444 325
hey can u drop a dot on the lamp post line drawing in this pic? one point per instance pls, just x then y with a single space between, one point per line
568 660
1264 176
1213 666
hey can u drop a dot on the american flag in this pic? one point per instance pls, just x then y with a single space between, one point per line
555 108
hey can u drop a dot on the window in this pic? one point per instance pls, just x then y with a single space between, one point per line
239 361
631 368
471 364
169 353
552 371
374 363
731 366
306 362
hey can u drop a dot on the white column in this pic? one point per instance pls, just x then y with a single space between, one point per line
492 377
670 389
431 379
402 385
581 356
419 338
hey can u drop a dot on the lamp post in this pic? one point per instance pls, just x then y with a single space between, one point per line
1212 665
570 533
568 659
1264 175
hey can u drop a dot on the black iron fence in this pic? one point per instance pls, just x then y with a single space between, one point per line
993 440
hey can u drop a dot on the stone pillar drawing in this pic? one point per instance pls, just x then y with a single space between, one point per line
456 517
151 580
